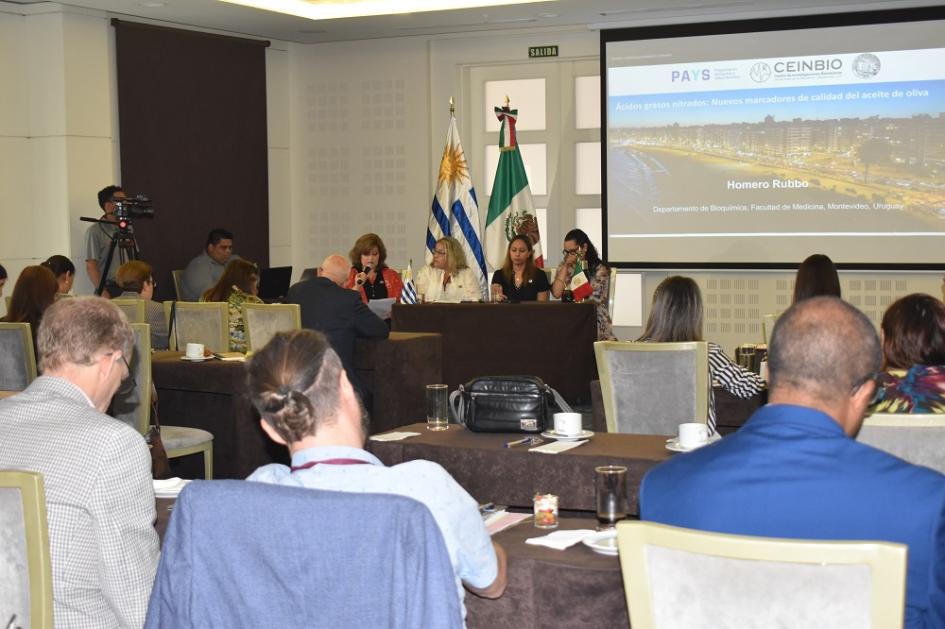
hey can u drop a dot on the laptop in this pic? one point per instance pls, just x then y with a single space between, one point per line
274 283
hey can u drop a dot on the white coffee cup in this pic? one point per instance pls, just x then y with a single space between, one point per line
568 424
194 350
692 434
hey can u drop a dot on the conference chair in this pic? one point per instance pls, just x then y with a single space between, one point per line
767 326
651 388
917 438
225 564
26 598
198 322
676 578
17 358
133 406
176 275
262 321
134 309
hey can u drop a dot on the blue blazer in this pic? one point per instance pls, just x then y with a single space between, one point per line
792 472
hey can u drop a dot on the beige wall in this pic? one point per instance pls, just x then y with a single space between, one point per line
356 130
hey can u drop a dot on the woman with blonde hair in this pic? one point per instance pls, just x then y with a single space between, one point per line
369 274
238 285
448 278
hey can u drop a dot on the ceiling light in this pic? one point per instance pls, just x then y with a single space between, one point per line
334 9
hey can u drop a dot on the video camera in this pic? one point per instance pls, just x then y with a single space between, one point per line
138 206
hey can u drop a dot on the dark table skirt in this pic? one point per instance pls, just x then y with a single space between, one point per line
551 340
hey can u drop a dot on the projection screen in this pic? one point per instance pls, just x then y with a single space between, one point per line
756 143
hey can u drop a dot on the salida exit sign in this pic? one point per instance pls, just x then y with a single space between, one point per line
542 51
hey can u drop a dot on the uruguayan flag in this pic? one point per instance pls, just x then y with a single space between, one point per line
455 208
408 294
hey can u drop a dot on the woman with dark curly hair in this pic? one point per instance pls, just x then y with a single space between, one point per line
913 377
577 245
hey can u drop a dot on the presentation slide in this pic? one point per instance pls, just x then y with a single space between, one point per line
765 147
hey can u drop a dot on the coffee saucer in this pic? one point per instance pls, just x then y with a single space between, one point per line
673 445
196 360
551 434
602 542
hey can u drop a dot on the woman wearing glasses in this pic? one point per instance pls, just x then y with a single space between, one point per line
578 245
136 280
447 279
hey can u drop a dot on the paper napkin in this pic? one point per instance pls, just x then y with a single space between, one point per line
394 436
559 540
169 488
557 446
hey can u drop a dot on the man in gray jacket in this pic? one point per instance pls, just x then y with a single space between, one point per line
96 470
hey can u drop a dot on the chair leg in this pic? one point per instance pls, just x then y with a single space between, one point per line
208 462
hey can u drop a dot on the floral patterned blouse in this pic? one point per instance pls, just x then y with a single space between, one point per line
921 389
235 311
600 283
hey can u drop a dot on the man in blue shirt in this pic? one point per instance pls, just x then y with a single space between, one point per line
307 403
794 469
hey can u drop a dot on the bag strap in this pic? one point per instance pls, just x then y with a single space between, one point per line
457 405
565 408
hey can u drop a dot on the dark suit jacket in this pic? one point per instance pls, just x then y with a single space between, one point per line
792 472
340 315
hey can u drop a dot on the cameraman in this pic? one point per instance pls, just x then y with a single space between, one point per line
98 238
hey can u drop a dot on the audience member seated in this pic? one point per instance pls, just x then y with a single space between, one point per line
136 280
337 313
816 277
519 279
204 271
676 317
64 270
96 470
302 392
795 471
447 279
33 293
237 286
98 240
577 246
913 380
369 273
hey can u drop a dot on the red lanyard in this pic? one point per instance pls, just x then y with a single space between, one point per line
305 466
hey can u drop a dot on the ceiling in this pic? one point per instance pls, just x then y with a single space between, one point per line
595 14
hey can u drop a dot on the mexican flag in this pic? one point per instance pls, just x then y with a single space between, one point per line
580 286
511 211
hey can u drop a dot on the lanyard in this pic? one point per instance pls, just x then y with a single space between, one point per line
305 466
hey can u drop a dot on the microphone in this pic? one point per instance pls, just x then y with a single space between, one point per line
362 276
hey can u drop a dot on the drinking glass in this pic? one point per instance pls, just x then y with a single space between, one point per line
611 488
437 407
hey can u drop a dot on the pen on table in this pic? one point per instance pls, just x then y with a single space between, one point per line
517 442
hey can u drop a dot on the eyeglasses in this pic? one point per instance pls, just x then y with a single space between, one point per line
570 252
128 383
438 252
152 282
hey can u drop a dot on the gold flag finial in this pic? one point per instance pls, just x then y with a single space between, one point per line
507 100
452 106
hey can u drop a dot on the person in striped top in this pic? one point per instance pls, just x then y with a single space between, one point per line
676 317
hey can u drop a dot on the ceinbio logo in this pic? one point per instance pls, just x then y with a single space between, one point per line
760 72
807 65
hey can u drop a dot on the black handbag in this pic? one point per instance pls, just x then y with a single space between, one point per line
505 404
